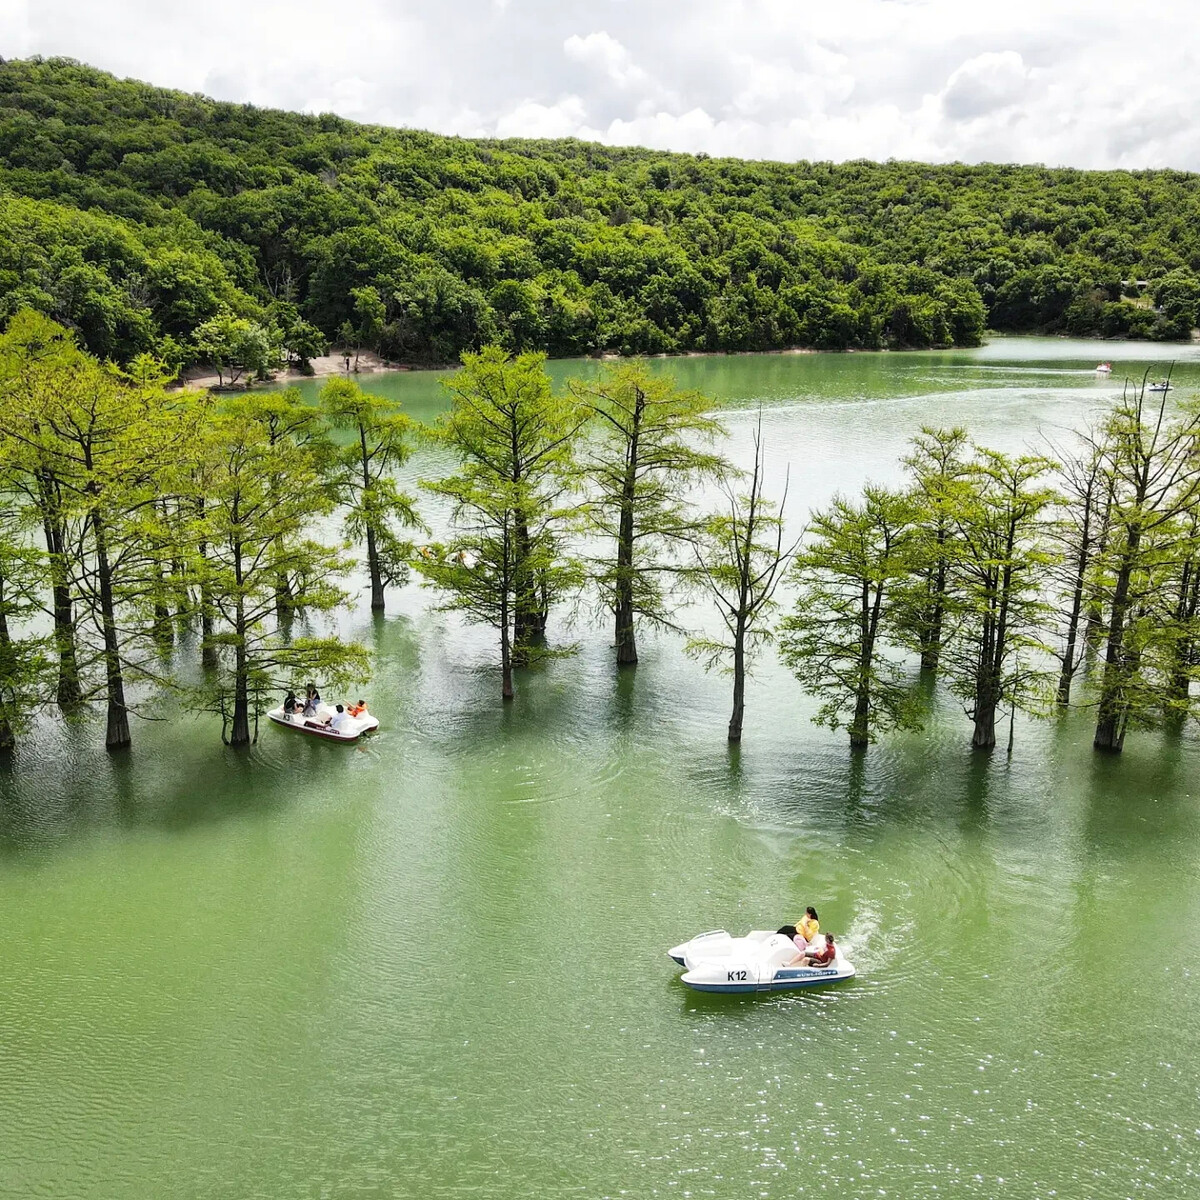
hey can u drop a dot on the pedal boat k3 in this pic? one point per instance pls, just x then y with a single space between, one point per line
719 962
316 726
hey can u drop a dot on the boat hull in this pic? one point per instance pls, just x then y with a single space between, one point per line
701 980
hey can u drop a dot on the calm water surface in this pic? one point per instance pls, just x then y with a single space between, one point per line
433 965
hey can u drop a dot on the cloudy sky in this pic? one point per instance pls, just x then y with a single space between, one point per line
1109 83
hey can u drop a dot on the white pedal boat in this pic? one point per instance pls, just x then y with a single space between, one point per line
719 962
316 727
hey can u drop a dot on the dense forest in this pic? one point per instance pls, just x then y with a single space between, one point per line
148 220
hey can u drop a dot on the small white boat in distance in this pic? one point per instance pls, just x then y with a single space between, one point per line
1164 386
1104 369
318 726
719 962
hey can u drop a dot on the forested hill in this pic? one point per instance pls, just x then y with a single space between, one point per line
139 216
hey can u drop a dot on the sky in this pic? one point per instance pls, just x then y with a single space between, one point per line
1110 83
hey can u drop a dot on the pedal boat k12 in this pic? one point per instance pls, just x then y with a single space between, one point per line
316 726
718 962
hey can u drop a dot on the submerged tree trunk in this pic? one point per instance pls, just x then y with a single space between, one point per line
983 715
984 735
989 688
163 630
69 692
285 605
1110 715
180 573
208 650
739 683
931 649
374 566
1071 657
1070 663
1094 628
870 613
529 605
239 734
1184 648
626 639
377 598
116 735
506 679
7 740
860 737
183 595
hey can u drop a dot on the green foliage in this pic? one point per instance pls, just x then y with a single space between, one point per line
156 506
740 560
298 339
836 640
123 288
512 503
1000 560
103 449
234 346
26 666
260 492
133 213
936 466
380 441
1144 577
649 449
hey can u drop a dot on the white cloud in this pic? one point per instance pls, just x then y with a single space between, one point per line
1102 83
530 119
775 87
601 51
986 84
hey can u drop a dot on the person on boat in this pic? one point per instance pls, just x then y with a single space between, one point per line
808 924
312 698
289 703
357 710
339 720
821 956
790 931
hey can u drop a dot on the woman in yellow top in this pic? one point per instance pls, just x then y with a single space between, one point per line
808 925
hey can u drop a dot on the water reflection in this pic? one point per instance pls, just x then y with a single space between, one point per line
435 963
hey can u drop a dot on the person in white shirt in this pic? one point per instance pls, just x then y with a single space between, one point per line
339 720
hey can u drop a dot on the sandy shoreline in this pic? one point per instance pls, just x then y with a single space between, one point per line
324 367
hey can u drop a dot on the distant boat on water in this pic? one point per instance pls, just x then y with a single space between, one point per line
1104 369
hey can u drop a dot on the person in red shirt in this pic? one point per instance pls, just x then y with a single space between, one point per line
823 956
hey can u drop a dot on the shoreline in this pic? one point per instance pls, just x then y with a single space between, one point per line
330 366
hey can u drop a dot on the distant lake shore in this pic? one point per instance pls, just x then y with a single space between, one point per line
368 363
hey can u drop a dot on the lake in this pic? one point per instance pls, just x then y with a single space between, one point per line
433 965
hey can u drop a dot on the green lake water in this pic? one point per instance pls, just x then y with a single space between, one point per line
433 965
